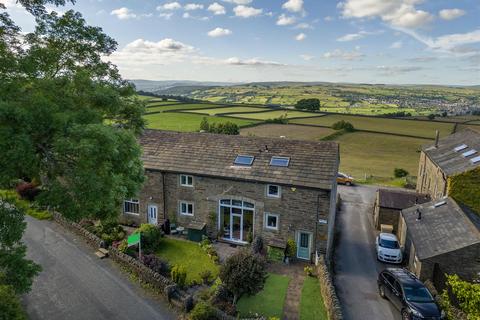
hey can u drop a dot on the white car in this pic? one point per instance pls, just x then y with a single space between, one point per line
388 248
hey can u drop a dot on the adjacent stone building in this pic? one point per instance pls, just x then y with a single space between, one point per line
441 237
389 203
447 157
234 188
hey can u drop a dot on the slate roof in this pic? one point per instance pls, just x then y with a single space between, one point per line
449 161
396 199
441 229
312 164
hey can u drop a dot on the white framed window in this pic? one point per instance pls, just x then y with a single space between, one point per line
186 208
273 191
271 221
131 206
186 180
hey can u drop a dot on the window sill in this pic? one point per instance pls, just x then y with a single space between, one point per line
132 214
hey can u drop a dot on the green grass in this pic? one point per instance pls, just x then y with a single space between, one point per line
177 121
407 127
312 306
188 254
28 207
289 131
375 154
180 106
275 114
229 110
268 302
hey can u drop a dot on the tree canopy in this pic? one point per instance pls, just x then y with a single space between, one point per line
67 118
312 104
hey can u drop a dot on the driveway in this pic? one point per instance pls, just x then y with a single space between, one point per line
356 266
74 284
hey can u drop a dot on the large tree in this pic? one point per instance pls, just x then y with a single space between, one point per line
67 118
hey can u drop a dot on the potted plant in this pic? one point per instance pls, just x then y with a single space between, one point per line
290 250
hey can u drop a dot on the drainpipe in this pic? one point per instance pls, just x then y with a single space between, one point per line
164 198
316 223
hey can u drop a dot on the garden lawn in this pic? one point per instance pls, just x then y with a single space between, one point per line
312 306
275 114
268 302
188 254
185 122
229 110
407 127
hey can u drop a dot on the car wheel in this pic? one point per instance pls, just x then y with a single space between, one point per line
381 291
348 183
405 315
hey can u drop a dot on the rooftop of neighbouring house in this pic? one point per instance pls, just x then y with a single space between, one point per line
400 199
444 226
456 153
308 163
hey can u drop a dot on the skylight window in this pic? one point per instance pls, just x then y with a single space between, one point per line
469 153
280 161
460 148
476 159
244 160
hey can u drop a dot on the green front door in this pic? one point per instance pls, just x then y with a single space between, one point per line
303 245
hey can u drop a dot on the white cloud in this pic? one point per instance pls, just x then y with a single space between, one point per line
396 45
219 32
251 62
284 20
165 15
300 37
344 55
293 5
449 43
193 6
170 6
358 35
398 13
123 13
450 14
303 25
395 70
238 1
246 12
216 8
306 57
329 18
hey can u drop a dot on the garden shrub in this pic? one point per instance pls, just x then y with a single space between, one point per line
39 214
275 254
206 276
27 191
400 173
202 311
179 275
156 264
291 249
308 271
10 307
467 296
108 231
151 237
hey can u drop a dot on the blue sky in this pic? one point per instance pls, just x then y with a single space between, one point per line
371 41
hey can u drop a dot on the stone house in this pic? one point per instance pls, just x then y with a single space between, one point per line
441 237
389 203
447 157
234 188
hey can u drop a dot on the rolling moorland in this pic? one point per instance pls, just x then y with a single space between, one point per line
370 153
363 99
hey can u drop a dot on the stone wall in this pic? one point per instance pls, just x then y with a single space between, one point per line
431 179
297 207
89 237
332 304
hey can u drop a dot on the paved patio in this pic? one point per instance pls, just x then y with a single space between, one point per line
225 250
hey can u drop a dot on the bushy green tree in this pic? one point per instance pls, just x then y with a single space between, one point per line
243 273
400 173
15 271
467 296
67 118
312 104
343 125
10 307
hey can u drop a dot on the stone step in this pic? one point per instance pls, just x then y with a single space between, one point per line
104 251
101 255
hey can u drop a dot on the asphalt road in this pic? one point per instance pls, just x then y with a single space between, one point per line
356 267
74 284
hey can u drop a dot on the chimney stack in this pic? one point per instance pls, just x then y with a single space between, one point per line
437 136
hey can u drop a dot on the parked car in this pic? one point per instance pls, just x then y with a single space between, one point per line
388 248
345 179
408 294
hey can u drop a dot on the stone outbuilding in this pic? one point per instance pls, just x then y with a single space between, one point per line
447 157
390 202
240 187
441 237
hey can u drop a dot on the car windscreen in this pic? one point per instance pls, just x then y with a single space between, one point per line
389 244
417 294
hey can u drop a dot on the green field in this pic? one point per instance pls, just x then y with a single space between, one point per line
185 122
191 106
288 131
228 110
407 127
275 114
364 154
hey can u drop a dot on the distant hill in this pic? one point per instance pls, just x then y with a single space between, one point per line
157 86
